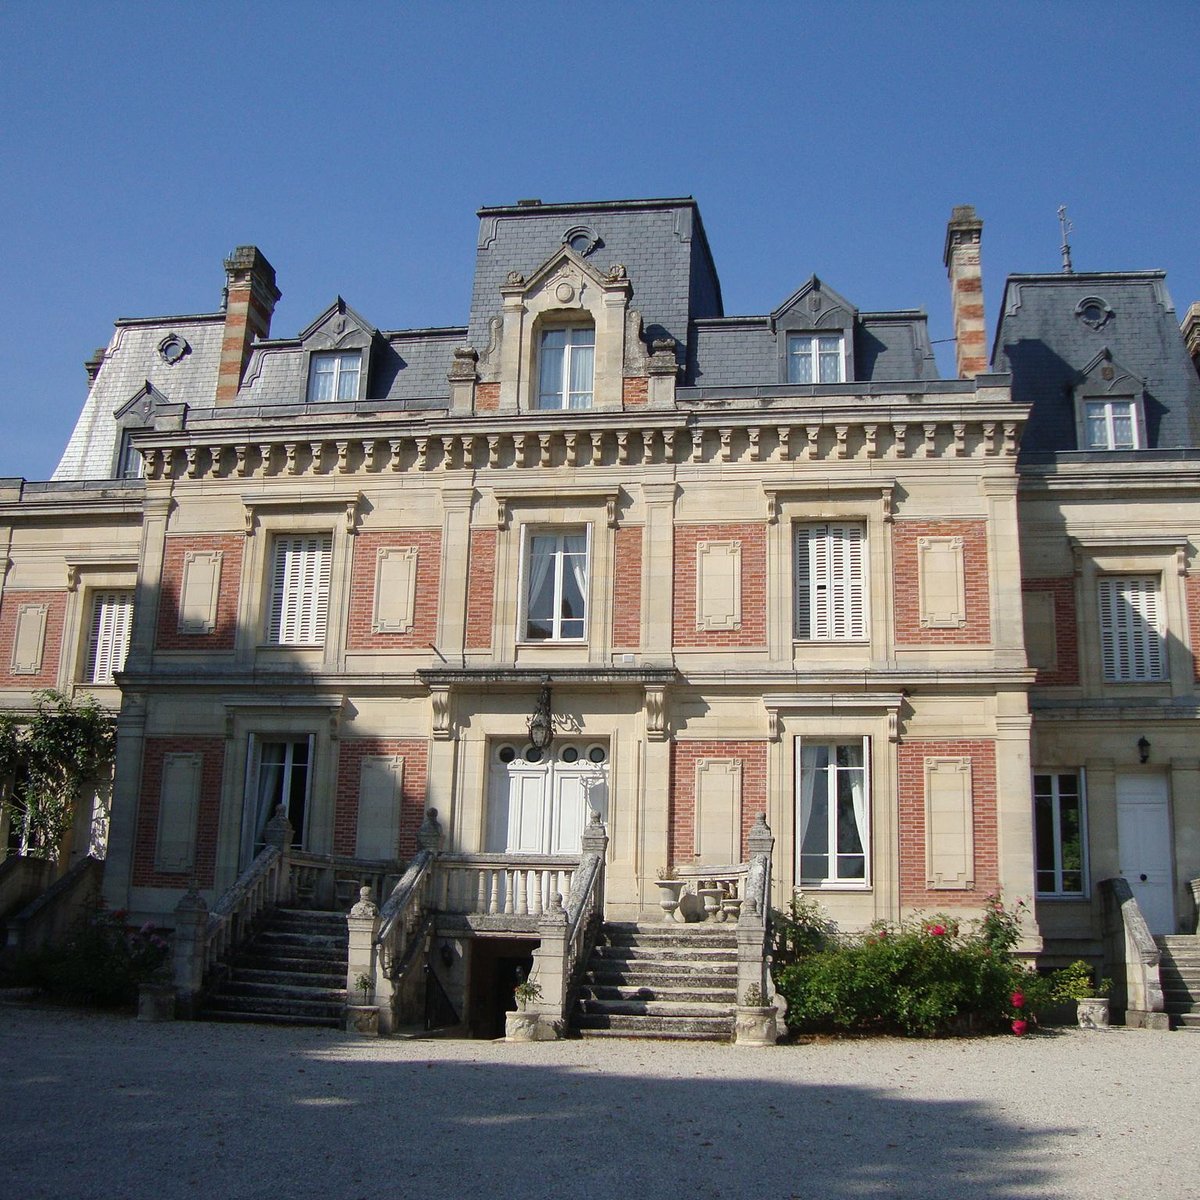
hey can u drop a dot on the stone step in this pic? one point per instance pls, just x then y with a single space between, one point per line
665 954
281 991
1189 1021
607 993
333 923
701 977
626 1025
285 1006
286 978
257 1018
271 936
657 1008
673 934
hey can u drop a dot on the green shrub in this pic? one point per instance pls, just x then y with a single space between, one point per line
922 977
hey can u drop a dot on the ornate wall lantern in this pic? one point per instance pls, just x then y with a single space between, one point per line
541 724
1143 750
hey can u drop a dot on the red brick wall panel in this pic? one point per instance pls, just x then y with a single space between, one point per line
52 641
225 630
627 587
207 819
415 752
1066 630
428 545
481 589
487 397
635 391
907 590
911 801
681 844
753 632
1192 588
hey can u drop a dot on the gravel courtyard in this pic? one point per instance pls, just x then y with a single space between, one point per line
102 1106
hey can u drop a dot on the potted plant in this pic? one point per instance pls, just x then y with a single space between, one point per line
523 1026
1076 982
363 1018
669 891
756 1022
525 991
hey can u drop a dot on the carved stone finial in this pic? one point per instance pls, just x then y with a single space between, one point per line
191 901
617 272
760 840
279 829
366 906
515 279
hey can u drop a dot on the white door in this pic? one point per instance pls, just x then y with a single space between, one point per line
1144 846
539 803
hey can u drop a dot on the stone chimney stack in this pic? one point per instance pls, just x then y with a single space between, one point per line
250 298
966 290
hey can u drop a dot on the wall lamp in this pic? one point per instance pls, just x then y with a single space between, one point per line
1143 750
541 724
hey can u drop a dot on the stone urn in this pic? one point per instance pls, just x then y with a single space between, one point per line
668 896
156 1001
756 1025
1092 1012
362 1019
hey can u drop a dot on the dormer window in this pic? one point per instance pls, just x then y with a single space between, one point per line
1110 425
333 375
566 367
816 358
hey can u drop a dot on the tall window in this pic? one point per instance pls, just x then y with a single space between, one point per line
816 358
279 774
108 641
300 590
1059 832
833 812
1110 425
333 375
830 587
1131 642
566 367
556 585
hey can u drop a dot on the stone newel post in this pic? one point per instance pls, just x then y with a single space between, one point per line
191 924
362 925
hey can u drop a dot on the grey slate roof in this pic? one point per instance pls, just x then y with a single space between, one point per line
661 243
130 361
1046 345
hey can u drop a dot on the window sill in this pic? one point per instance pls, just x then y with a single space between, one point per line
1064 897
835 885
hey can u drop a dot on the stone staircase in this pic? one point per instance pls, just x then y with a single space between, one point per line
292 973
1179 969
660 981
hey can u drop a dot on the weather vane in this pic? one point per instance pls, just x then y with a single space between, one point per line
1067 229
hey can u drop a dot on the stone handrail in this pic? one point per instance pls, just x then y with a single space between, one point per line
1194 884
204 938
502 884
48 917
567 936
1132 957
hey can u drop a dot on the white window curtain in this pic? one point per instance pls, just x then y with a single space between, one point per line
539 592
833 812
556 586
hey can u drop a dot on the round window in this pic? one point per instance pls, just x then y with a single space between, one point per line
533 754
570 754
507 754
597 754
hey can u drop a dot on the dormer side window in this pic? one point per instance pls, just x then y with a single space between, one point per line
333 375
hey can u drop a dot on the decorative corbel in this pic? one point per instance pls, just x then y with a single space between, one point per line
317 450
1077 555
842 434
623 446
502 513
870 440
493 445
526 452
772 506
647 445
154 463
597 437
812 433
1010 438
610 509
755 435
543 449
572 442
215 454
251 519
960 439
449 444
888 500
394 447
697 445
784 434
193 465
291 466
656 714
440 703
72 576
900 437
774 725
668 437
989 437
343 457
264 454
893 725
368 449
239 466
1181 559
929 445
352 515
422 454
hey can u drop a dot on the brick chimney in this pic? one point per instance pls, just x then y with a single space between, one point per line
963 266
1190 328
250 297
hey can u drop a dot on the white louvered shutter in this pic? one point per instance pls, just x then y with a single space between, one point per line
112 625
300 590
1131 644
830 587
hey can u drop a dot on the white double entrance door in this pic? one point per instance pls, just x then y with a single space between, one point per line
1144 846
539 801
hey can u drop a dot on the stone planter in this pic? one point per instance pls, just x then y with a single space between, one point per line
522 1026
362 1019
156 1002
1092 1012
668 896
755 1025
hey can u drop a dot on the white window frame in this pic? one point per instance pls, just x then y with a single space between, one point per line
1107 407
1055 796
562 396
832 879
560 533
251 843
340 375
1132 646
829 592
808 346
299 594
110 630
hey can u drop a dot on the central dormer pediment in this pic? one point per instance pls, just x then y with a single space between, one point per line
814 305
339 327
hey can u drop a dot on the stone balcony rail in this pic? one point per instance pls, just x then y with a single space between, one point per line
502 885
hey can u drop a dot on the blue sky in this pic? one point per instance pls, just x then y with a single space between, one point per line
353 143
